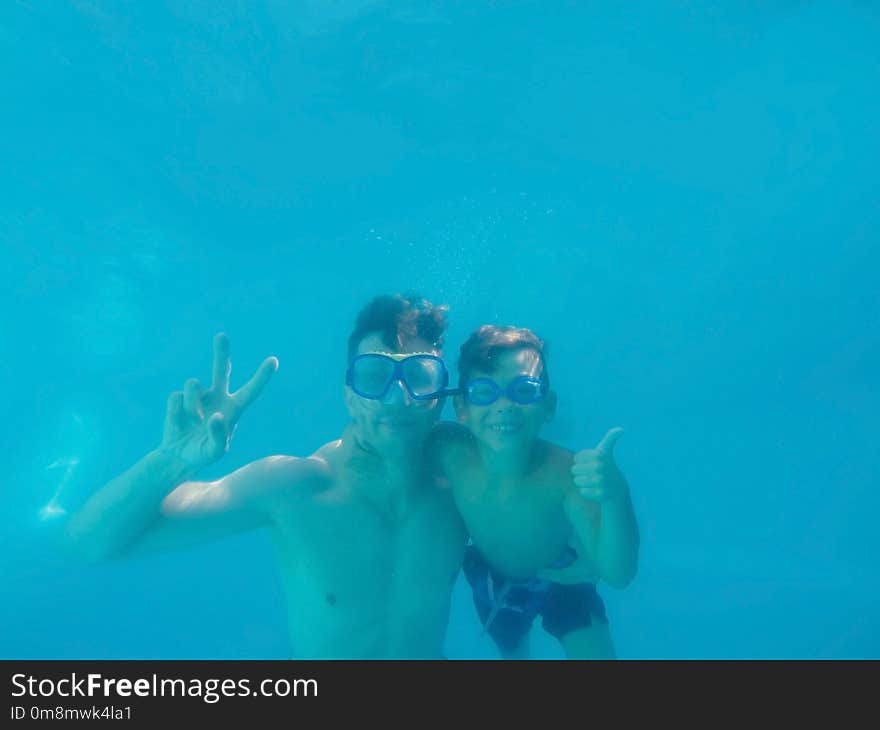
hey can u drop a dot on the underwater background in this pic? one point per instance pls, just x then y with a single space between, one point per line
681 197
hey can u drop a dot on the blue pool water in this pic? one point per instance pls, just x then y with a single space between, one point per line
680 197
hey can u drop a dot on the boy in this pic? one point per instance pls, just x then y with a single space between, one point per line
545 524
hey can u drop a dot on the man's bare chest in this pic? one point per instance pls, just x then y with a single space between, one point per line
355 549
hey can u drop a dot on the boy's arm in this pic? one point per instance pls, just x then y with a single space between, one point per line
602 514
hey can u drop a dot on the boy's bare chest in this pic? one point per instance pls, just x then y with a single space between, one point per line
520 528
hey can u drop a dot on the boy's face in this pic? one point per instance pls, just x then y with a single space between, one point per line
506 425
396 420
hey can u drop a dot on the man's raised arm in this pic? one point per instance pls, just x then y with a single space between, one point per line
155 494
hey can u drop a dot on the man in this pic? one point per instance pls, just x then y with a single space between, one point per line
367 547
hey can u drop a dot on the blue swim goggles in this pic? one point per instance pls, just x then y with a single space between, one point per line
524 390
424 376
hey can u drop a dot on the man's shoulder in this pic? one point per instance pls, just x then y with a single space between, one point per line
317 465
286 475
327 451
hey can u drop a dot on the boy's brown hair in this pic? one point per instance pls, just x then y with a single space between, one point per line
482 347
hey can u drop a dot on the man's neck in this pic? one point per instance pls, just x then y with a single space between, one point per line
382 475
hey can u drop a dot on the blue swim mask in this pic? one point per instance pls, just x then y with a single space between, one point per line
524 390
371 375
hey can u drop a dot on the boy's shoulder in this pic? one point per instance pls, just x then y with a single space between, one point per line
554 453
553 461
450 447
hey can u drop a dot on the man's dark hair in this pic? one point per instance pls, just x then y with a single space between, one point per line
481 349
398 318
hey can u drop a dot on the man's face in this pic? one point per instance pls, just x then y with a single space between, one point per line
396 419
505 425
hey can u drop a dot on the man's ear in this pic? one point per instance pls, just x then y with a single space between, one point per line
550 405
461 408
348 396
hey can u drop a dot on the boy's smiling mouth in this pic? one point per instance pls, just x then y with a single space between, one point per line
505 427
